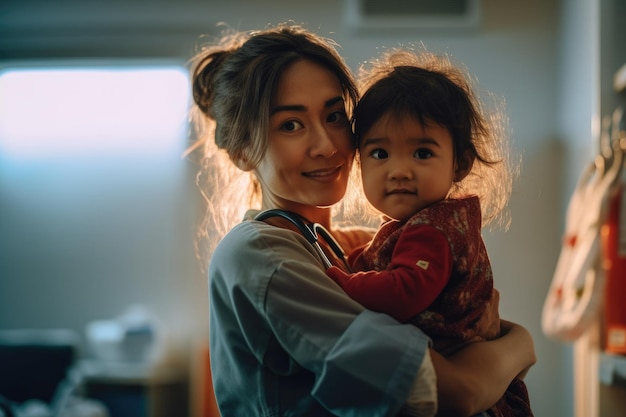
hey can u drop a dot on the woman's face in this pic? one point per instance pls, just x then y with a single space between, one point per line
310 151
406 166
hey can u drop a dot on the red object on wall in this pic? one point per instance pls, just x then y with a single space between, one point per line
614 262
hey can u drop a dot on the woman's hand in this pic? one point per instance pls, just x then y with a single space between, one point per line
506 327
476 377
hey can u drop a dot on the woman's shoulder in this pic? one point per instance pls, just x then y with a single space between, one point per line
251 236
256 245
250 255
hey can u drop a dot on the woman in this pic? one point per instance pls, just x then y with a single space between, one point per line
285 340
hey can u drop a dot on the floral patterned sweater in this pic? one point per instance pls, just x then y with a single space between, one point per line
433 271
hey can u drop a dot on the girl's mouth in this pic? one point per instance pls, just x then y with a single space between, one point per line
401 191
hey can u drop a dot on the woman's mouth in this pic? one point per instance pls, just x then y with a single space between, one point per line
325 175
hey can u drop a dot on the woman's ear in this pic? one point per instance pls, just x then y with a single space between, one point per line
463 166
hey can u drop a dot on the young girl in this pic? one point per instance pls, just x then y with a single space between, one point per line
429 160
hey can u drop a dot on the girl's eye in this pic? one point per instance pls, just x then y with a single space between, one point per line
423 154
291 126
338 117
379 154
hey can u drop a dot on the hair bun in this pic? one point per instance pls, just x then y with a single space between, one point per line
205 73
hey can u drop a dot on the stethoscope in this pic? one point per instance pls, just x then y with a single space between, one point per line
311 232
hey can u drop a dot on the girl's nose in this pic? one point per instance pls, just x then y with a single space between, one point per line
399 172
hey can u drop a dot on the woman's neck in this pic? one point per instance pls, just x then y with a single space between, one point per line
322 216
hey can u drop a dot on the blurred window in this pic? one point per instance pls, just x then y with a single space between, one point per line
69 110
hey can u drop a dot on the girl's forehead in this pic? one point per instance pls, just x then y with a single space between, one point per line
401 118
394 128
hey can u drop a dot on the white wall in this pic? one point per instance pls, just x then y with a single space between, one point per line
516 53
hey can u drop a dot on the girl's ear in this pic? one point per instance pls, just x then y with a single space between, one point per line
463 167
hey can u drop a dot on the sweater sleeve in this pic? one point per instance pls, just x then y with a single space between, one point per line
420 268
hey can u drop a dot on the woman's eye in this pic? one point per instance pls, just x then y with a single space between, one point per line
338 117
379 154
423 154
291 126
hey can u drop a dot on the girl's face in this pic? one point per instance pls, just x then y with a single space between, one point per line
406 166
310 150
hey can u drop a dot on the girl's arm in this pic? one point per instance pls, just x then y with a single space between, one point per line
419 270
476 377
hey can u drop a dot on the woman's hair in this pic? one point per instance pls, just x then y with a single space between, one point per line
429 88
233 82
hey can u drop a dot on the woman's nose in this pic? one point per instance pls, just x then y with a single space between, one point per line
323 143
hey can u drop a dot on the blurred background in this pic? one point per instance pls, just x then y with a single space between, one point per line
98 208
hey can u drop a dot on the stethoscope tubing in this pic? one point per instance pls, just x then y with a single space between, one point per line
310 231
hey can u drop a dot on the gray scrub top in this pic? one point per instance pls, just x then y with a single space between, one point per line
285 340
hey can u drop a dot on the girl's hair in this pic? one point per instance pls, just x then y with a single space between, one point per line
429 88
233 82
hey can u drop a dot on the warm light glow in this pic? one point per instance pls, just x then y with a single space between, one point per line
65 111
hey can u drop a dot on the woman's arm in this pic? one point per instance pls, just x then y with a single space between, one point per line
476 377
